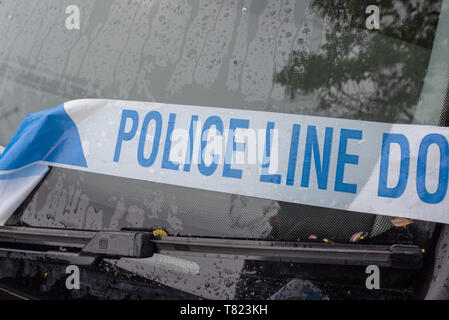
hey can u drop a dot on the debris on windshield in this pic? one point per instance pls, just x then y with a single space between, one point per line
401 222
159 232
313 237
356 237
326 240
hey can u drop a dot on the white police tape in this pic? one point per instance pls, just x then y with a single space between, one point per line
378 168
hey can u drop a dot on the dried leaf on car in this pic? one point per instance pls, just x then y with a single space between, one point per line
358 236
401 222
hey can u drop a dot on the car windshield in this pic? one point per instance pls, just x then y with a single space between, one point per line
316 57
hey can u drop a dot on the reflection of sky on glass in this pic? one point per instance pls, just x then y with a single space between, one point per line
212 53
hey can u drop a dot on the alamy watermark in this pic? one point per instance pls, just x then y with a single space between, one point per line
373 20
72 282
73 20
373 280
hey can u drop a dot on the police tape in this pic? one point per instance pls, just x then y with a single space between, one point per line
361 166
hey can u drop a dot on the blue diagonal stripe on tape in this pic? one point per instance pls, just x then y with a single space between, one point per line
50 135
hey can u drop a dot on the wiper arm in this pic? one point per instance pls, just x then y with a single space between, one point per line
84 247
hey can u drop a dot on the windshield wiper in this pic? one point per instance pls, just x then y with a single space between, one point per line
86 247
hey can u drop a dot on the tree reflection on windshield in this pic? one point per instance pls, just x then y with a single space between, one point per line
366 74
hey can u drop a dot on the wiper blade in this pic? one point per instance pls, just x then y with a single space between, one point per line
396 256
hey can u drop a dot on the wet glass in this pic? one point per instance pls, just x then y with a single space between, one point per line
302 57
